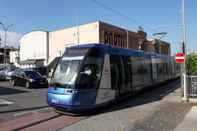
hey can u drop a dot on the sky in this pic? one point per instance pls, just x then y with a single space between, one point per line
153 15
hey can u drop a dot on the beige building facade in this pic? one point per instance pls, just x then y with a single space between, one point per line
50 45
83 34
95 32
34 46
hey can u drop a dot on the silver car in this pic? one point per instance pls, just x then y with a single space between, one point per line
6 72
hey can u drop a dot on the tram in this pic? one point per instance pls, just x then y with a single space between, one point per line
93 75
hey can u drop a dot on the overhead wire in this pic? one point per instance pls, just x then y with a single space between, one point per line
122 15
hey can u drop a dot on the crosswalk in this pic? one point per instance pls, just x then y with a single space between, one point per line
4 102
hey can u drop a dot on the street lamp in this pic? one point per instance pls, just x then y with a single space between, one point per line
5 28
185 97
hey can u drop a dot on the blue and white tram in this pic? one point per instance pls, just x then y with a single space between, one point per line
88 76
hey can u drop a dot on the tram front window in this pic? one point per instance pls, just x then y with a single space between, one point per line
66 71
80 72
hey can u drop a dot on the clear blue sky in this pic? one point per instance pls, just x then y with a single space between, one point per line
161 15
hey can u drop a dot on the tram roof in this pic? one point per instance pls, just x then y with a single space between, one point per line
120 51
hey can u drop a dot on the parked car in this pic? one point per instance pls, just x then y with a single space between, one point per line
28 78
6 72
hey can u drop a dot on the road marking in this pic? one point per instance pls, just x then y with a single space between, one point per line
32 111
22 113
5 102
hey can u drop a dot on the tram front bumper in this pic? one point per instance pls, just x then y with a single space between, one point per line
77 102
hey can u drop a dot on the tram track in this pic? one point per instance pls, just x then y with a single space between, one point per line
54 124
39 121
36 123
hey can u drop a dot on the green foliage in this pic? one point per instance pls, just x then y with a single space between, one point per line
191 64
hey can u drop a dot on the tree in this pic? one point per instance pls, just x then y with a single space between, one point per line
191 64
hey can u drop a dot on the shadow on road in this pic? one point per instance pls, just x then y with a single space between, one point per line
145 97
10 91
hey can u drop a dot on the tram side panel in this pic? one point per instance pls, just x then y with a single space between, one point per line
105 92
120 75
155 73
141 73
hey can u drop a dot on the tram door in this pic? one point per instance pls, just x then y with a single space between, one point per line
154 68
118 77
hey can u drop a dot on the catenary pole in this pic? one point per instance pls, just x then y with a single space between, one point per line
5 28
184 76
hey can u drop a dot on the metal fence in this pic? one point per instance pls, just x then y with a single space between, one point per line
192 86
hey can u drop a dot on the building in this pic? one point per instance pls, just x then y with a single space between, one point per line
5 54
161 47
96 32
34 47
48 46
14 57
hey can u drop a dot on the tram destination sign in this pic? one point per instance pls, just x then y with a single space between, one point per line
180 57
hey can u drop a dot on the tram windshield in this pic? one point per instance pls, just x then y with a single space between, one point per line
79 71
66 71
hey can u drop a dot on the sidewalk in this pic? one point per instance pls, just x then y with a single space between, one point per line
189 122
168 113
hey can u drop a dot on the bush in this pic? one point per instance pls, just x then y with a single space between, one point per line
191 64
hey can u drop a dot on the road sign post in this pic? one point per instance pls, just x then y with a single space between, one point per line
180 58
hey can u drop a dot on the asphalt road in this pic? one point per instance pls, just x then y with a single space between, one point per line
15 101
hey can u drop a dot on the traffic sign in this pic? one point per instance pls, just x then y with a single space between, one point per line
180 57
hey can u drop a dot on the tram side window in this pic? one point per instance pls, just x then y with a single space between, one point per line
128 73
116 71
161 69
137 70
167 71
141 70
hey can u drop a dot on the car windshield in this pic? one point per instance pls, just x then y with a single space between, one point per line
32 75
66 71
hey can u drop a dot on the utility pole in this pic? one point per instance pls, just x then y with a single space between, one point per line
184 76
77 29
77 23
5 28
127 39
0 40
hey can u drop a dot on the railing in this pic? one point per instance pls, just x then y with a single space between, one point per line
192 86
